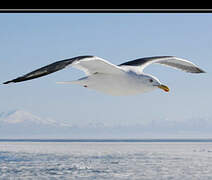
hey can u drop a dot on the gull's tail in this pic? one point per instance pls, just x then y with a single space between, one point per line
79 81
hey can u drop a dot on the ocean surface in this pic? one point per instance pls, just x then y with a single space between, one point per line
106 159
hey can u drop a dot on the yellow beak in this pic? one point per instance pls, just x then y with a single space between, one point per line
165 88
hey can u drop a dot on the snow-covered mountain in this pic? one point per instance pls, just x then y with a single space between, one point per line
23 124
20 116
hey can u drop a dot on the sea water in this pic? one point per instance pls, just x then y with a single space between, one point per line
118 160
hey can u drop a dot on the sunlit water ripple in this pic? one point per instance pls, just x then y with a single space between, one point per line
105 160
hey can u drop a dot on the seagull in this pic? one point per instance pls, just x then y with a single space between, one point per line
119 80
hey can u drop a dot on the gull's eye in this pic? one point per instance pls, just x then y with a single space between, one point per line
150 80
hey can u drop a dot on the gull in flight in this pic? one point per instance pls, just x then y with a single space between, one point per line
124 79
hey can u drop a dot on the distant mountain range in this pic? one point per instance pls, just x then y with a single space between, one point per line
23 124
23 117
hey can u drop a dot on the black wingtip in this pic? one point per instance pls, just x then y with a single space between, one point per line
200 71
7 82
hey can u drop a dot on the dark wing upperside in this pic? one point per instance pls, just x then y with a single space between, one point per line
51 68
170 61
141 61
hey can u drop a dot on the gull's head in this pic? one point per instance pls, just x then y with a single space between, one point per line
154 83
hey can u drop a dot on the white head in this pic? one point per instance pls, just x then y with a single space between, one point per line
152 82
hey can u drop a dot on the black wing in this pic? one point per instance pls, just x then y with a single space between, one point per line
170 61
51 68
141 61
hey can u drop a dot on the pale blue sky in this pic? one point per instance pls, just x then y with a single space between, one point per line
31 40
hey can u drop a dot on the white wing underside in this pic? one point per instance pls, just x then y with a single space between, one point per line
94 65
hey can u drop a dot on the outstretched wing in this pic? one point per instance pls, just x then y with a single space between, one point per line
88 64
170 61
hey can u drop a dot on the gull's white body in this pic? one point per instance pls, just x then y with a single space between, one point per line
116 85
